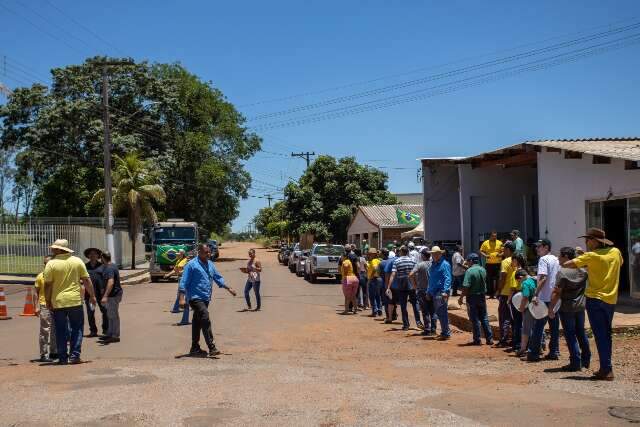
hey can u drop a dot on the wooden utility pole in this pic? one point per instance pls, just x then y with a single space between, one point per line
269 198
305 156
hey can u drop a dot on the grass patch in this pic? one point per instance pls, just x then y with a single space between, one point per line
20 264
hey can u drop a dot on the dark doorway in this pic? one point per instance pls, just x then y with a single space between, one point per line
614 213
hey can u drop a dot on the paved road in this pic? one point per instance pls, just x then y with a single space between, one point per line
297 362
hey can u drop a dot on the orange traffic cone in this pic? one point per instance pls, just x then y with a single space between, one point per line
3 306
29 309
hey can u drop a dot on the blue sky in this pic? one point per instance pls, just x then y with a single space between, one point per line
260 51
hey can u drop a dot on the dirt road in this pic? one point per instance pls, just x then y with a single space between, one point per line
297 362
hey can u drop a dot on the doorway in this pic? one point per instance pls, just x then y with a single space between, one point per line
614 221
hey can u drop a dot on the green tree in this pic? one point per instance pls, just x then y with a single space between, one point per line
324 199
135 193
271 221
196 139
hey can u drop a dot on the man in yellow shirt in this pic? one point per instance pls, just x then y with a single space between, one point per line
374 282
491 250
64 276
47 340
505 284
603 262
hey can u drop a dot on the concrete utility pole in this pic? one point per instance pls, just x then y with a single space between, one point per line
305 156
269 198
108 204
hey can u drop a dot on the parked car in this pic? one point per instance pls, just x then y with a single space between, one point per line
293 257
302 261
214 247
323 262
283 254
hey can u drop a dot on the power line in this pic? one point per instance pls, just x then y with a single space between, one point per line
430 67
304 155
456 85
452 73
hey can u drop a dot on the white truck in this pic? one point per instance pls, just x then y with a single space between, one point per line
323 262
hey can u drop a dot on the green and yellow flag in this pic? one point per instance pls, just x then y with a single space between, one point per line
407 218
167 254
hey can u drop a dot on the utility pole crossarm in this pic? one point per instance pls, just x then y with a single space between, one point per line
305 156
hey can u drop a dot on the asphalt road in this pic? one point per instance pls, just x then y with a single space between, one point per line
296 362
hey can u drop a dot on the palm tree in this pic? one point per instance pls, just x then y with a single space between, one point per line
136 189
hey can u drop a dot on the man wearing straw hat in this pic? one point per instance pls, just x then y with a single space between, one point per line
603 262
439 287
64 277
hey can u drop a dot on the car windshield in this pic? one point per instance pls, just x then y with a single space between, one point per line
174 233
329 250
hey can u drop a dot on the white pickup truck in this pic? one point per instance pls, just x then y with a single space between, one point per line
323 261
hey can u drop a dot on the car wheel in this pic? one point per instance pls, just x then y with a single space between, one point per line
314 278
338 279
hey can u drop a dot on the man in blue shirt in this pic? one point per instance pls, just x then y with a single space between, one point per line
386 265
196 288
439 288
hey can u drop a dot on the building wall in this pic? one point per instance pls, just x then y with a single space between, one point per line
409 198
566 184
441 203
389 235
496 198
360 226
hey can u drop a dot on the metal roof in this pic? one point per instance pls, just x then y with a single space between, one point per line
617 148
385 215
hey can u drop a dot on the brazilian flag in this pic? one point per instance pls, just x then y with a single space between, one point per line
407 218
168 254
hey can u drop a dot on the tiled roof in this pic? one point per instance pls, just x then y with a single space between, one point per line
385 215
617 148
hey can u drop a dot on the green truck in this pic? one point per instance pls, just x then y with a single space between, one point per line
163 242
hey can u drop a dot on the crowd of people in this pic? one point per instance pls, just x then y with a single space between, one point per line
62 288
552 290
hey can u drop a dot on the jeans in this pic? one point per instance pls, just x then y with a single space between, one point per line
74 317
456 283
256 290
185 313
413 299
493 274
91 317
537 335
375 295
201 322
442 307
428 311
47 332
401 297
363 295
600 317
576 337
517 329
113 304
477 305
504 317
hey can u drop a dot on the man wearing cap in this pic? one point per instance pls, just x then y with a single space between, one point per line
64 277
439 287
474 287
420 278
548 267
94 267
491 250
603 262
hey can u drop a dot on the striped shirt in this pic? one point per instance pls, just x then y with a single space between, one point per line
403 266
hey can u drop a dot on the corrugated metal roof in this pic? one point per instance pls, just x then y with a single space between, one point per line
385 215
617 148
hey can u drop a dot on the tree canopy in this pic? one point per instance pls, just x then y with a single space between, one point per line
195 139
324 199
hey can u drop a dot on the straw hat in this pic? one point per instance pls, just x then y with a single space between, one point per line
373 251
436 250
597 234
61 244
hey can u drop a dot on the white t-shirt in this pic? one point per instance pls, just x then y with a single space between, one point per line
455 261
549 266
415 256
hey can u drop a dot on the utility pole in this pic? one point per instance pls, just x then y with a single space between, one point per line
108 205
305 156
269 198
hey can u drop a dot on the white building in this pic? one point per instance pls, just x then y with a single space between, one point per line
553 189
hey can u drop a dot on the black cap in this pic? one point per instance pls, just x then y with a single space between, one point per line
544 242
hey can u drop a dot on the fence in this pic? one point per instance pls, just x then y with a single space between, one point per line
22 246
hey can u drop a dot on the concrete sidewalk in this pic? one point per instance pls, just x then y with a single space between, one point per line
125 275
625 318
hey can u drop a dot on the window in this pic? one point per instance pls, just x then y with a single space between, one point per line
594 214
336 250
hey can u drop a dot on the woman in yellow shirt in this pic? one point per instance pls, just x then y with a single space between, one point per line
350 285
374 283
